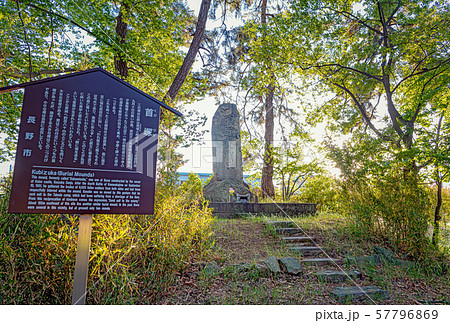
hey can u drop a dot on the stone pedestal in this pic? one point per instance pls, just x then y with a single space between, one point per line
227 156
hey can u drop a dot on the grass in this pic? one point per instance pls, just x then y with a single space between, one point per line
134 258
240 240
247 240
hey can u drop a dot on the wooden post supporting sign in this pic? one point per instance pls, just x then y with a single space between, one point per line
82 260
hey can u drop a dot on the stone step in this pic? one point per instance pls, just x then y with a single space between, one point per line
354 294
321 262
288 231
298 239
307 251
304 244
281 224
333 276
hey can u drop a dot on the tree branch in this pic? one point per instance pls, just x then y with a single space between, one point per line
354 18
18 74
380 12
423 71
362 110
30 67
301 183
350 69
438 132
68 20
399 3
192 53
419 105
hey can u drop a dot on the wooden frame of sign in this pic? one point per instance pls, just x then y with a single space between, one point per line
87 145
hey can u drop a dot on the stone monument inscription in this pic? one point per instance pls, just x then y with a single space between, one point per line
227 155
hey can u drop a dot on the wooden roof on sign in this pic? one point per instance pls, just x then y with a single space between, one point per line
10 88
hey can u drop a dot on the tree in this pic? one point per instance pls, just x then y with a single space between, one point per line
140 40
246 63
192 53
366 52
433 149
291 168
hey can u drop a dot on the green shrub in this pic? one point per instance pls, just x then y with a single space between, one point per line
134 258
392 208
321 190
193 188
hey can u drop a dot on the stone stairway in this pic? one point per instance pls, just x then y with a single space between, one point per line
326 268
301 244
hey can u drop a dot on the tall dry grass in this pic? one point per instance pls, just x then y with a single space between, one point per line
133 260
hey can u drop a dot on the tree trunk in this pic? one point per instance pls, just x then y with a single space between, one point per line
267 187
192 53
120 61
437 215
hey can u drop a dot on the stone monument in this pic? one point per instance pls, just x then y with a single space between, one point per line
227 156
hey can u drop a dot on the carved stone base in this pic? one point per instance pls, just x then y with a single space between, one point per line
218 190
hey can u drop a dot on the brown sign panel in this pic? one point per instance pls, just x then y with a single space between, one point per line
87 144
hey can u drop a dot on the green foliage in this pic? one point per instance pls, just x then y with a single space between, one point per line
193 188
446 202
381 192
392 207
134 257
370 56
321 190
291 167
53 37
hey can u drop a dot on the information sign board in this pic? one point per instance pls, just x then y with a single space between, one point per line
87 144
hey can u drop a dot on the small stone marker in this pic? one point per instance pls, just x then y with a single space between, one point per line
405 264
211 268
272 264
355 294
263 269
384 253
241 267
290 265
333 276
365 260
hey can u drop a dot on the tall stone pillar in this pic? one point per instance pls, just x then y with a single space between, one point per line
227 155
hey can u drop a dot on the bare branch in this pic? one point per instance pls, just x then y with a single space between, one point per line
51 44
380 12
19 74
301 183
419 105
191 54
68 20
